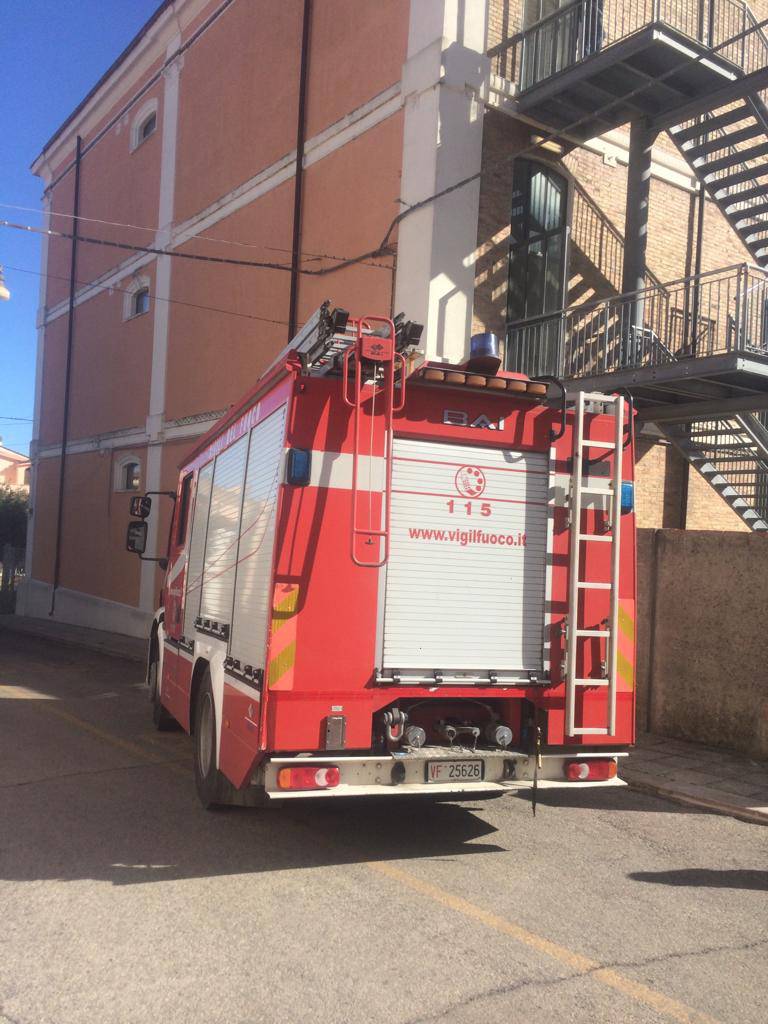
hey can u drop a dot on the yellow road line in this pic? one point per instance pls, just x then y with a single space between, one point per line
582 965
130 748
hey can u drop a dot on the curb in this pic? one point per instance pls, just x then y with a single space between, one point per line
94 644
677 796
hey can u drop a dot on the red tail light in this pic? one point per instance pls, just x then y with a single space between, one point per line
590 771
309 777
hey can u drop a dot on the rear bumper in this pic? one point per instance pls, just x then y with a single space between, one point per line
503 772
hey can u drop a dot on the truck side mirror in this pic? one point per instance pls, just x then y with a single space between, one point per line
141 506
136 537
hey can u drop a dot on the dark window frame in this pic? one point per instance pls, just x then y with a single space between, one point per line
140 298
184 507
148 127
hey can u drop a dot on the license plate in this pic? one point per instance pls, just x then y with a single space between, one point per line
454 771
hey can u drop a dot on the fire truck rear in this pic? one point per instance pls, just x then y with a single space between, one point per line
384 580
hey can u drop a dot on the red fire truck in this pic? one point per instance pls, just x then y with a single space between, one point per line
389 580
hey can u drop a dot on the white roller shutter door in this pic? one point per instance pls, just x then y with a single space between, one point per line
223 530
466 577
257 538
197 548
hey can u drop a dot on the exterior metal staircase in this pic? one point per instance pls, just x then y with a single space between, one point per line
732 456
728 148
728 152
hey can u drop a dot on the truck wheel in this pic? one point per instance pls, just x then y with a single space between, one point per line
212 788
163 720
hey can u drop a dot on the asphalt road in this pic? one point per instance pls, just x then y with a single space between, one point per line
121 900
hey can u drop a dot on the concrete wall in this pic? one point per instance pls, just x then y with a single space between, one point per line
702 639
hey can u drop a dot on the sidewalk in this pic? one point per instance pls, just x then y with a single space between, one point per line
114 644
691 773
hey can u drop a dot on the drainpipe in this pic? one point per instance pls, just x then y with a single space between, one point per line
67 374
298 186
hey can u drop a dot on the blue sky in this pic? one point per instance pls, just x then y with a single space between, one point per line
51 54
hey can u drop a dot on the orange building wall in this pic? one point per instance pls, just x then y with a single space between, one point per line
357 51
213 356
93 556
109 173
230 132
111 363
350 199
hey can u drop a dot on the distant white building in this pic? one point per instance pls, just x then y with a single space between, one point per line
14 469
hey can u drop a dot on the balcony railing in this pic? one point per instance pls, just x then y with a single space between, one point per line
720 312
585 27
599 241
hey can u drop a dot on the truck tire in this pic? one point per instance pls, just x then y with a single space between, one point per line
162 719
212 788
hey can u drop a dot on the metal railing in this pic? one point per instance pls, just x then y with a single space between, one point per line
708 314
598 239
585 27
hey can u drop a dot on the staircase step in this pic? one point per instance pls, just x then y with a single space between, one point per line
741 156
727 181
712 145
740 113
759 209
753 233
745 196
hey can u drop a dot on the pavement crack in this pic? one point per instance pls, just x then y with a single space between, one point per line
499 990
685 954
94 771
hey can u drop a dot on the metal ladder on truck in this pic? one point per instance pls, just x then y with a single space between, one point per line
580 493
369 355
375 351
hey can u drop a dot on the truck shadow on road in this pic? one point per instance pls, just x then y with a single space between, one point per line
156 832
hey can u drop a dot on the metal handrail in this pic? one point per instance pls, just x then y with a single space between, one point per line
584 27
715 312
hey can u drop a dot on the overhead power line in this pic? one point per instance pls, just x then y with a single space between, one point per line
205 238
153 295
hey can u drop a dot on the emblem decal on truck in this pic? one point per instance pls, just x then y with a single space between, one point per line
470 481
457 418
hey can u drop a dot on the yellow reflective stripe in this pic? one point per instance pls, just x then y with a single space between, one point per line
282 663
626 624
285 608
625 670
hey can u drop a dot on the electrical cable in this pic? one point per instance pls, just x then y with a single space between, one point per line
157 298
206 238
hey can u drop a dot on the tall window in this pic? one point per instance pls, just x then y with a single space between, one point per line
537 254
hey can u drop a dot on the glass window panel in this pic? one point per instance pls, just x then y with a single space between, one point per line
534 299
553 277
